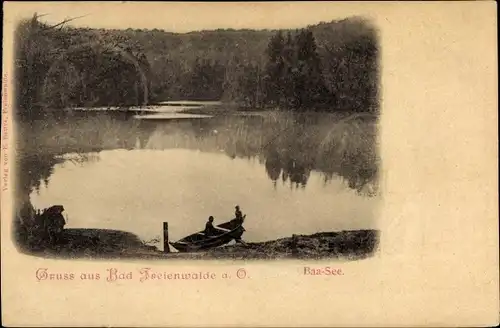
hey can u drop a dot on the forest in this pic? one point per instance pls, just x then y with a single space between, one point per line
326 67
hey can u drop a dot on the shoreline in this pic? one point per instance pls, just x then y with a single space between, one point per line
114 244
214 108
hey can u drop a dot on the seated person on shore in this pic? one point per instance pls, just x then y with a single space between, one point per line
209 227
55 222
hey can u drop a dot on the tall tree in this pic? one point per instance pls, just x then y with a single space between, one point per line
273 79
309 86
33 47
290 61
249 86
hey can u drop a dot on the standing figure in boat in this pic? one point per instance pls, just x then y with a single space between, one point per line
209 227
237 213
238 216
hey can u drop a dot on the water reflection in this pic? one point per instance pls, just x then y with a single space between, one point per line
138 190
289 147
290 170
35 171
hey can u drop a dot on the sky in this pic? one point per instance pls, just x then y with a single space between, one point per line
185 17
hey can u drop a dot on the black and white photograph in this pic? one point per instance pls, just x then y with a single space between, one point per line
207 143
249 164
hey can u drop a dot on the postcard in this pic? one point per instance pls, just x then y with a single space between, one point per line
179 164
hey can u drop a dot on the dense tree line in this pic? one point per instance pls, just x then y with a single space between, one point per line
329 66
205 81
59 67
295 76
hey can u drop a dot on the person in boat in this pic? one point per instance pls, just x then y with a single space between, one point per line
237 214
209 227
238 218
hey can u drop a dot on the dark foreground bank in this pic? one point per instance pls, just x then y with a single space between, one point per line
114 244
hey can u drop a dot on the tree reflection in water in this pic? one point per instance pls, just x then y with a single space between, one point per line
288 146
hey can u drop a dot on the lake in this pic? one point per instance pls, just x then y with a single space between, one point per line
291 174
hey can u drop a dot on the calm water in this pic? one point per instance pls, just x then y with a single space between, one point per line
290 176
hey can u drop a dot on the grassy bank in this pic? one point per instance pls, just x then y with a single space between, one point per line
344 244
99 243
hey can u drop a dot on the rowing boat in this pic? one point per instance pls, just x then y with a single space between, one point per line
226 232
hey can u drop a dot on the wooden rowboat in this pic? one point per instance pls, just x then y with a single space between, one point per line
226 232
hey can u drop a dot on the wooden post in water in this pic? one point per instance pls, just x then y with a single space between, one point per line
166 248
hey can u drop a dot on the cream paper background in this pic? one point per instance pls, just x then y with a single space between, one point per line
438 260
